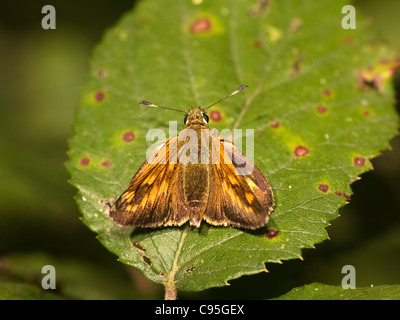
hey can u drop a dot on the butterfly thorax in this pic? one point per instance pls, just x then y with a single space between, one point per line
196 117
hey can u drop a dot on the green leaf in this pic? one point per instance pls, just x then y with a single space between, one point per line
319 291
319 101
74 279
24 291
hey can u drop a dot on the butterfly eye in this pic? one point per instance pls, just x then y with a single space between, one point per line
185 120
205 118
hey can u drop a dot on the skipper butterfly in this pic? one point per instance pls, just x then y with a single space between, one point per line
196 176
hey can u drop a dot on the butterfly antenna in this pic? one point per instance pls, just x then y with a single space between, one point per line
149 104
228 96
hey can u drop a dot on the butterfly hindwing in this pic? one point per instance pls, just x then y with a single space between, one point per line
238 197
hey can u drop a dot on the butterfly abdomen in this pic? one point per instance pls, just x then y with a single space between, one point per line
196 186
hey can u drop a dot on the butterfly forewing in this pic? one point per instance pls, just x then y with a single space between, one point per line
152 198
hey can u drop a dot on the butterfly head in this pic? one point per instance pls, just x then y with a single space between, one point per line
196 116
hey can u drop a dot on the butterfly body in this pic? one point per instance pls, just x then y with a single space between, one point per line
194 176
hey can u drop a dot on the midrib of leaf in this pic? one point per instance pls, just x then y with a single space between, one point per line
185 56
170 287
272 58
170 283
234 47
234 54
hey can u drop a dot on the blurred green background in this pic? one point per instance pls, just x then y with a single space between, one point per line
41 75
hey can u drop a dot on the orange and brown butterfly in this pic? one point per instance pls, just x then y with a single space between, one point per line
170 188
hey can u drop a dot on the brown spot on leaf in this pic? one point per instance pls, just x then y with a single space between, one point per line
359 161
346 196
275 124
128 136
256 43
260 8
301 151
215 116
366 113
190 268
348 40
85 161
295 24
323 188
296 65
201 25
374 77
342 194
99 96
271 233
321 109
327 92
106 163
102 73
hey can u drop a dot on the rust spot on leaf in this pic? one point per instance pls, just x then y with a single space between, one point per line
323 188
321 109
85 161
106 163
366 113
99 96
215 116
359 161
271 233
301 151
275 124
128 136
201 25
327 92
374 77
